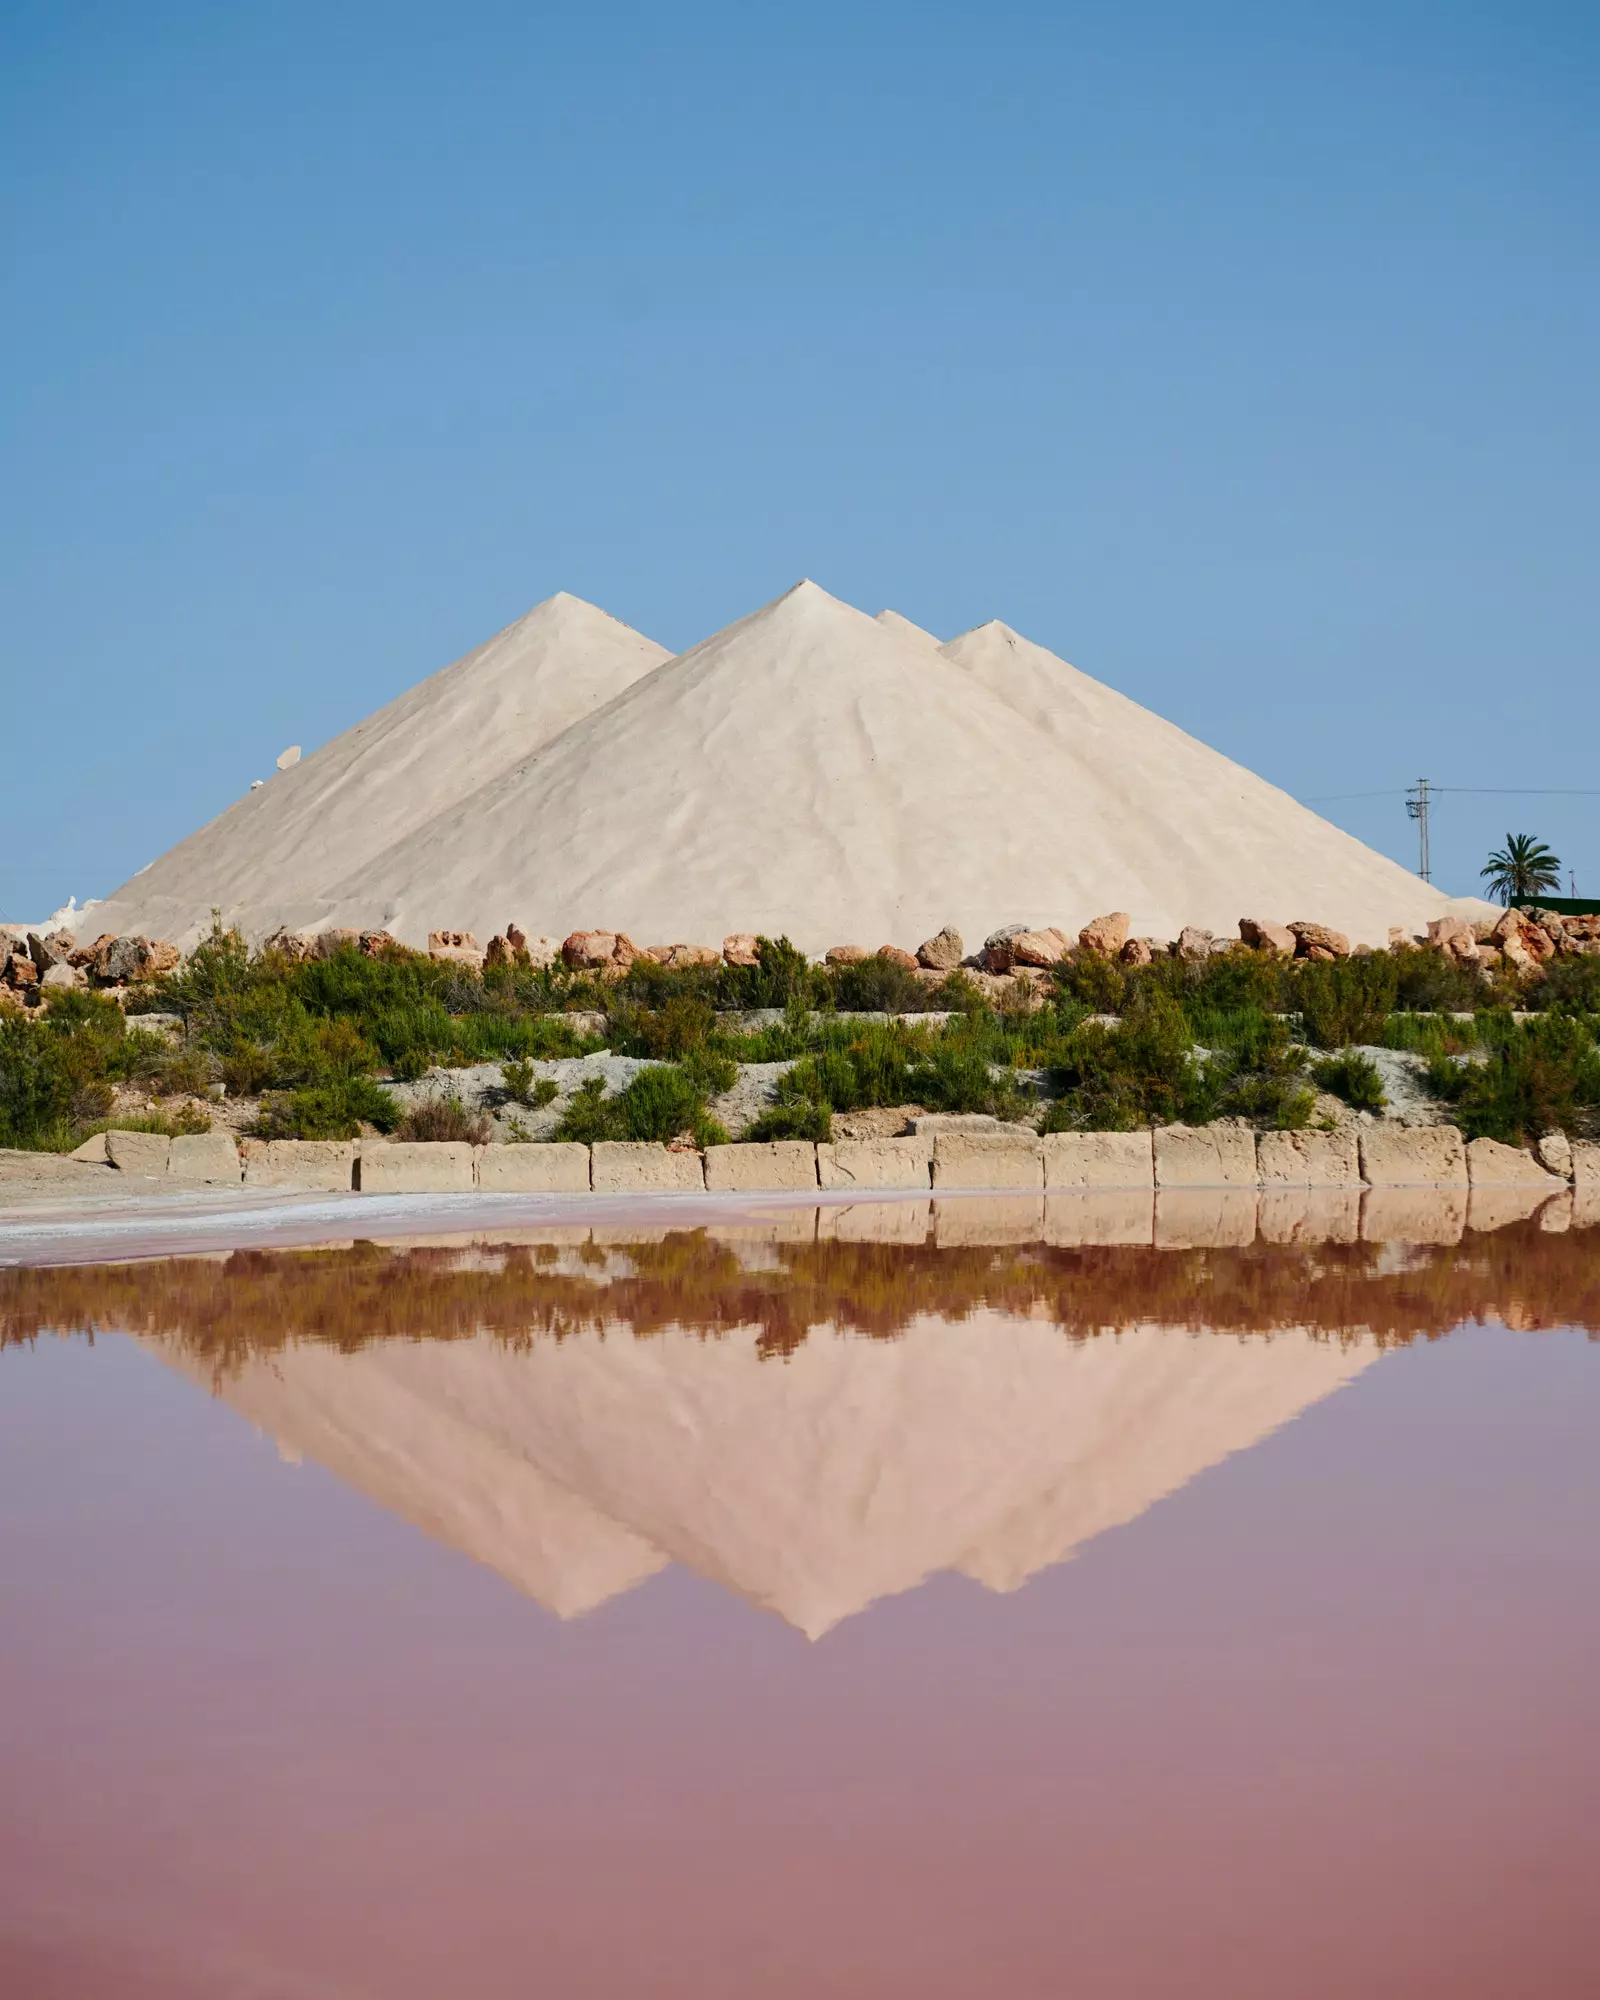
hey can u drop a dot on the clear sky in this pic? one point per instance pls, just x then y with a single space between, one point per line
1244 354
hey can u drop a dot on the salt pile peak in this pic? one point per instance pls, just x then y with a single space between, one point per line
895 622
805 769
284 846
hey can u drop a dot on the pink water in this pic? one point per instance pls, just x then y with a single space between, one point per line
1323 1721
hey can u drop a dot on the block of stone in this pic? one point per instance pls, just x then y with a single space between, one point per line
1586 1166
139 1152
1413 1156
988 1160
773 1166
1098 1160
1490 1164
1205 1156
875 1163
1308 1159
559 1167
1074 1220
416 1166
324 1166
92 1152
634 1166
204 1159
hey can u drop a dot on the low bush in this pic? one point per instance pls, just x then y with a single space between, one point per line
334 1110
879 986
1569 986
1540 1078
523 1087
442 1119
1346 1000
1140 1072
1352 1078
661 1103
793 1118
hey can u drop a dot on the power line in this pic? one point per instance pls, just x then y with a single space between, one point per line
1475 791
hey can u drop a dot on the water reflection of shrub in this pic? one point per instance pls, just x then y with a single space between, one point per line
225 1311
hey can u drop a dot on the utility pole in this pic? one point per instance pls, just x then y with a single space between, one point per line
1417 807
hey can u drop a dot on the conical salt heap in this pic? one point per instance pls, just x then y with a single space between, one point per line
280 852
810 772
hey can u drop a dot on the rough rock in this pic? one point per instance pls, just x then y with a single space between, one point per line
1554 1154
20 971
1452 935
741 948
1193 944
777 1166
1490 1164
1042 948
596 951
875 1163
543 952
1309 1159
328 942
139 1152
55 949
693 954
1413 1156
1205 1156
845 954
1136 951
1263 935
205 1159
61 974
461 947
1098 1160
89 956
943 952
1106 935
126 959
893 953
1317 937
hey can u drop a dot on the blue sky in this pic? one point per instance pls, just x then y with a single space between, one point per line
1245 355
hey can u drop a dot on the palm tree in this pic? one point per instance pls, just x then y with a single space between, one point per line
1521 869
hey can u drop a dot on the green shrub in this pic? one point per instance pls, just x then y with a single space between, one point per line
1569 986
878 986
1429 1035
1353 1078
1346 1000
781 977
1097 984
334 1110
523 1087
1432 982
661 1103
793 1118
1142 1071
1536 1079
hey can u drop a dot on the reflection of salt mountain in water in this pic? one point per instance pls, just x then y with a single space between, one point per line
995 1446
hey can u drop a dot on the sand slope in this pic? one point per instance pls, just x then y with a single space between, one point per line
993 1446
275 854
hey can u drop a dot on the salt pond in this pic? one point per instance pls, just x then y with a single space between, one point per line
784 1604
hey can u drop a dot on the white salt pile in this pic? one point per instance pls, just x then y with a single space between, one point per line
809 771
289 844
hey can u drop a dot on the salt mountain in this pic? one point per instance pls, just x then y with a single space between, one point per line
808 771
